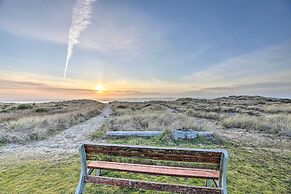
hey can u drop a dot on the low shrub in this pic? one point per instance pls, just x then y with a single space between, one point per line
205 115
40 110
100 133
24 107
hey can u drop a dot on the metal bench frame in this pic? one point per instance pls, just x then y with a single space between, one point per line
85 173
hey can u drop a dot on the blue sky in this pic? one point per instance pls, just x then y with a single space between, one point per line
199 48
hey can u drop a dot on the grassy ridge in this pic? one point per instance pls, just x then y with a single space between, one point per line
251 113
250 171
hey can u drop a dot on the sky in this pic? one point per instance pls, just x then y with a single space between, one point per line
145 49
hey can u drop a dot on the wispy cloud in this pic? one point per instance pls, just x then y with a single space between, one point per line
26 90
10 84
24 85
252 67
80 20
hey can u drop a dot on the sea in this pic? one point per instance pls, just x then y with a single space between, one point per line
103 100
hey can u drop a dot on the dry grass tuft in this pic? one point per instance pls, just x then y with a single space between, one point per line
153 121
205 115
275 125
279 108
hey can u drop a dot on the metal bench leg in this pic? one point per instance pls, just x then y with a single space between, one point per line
89 171
98 172
215 183
81 185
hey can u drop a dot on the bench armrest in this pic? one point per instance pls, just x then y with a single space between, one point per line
83 163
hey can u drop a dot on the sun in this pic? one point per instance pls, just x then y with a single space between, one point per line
99 88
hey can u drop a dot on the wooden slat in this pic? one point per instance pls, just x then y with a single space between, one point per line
133 160
135 184
156 170
173 154
213 160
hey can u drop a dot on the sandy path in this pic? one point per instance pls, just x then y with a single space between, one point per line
62 144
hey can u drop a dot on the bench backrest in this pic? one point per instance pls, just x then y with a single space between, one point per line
155 153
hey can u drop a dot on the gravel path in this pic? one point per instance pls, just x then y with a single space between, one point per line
62 144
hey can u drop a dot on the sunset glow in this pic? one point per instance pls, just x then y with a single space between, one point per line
99 88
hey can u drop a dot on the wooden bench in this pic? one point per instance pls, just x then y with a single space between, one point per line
213 164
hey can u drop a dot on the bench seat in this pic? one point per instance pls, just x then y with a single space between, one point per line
156 170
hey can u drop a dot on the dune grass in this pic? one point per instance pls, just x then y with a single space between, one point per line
250 170
150 116
154 121
252 113
277 108
30 122
280 125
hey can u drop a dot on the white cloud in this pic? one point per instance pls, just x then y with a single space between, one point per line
269 63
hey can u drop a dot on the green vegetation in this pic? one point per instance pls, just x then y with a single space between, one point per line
41 110
24 106
250 170
100 133
205 115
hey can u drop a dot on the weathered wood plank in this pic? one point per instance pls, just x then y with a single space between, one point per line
135 160
156 170
135 184
214 160
173 154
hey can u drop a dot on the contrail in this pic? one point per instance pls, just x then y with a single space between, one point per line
80 20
